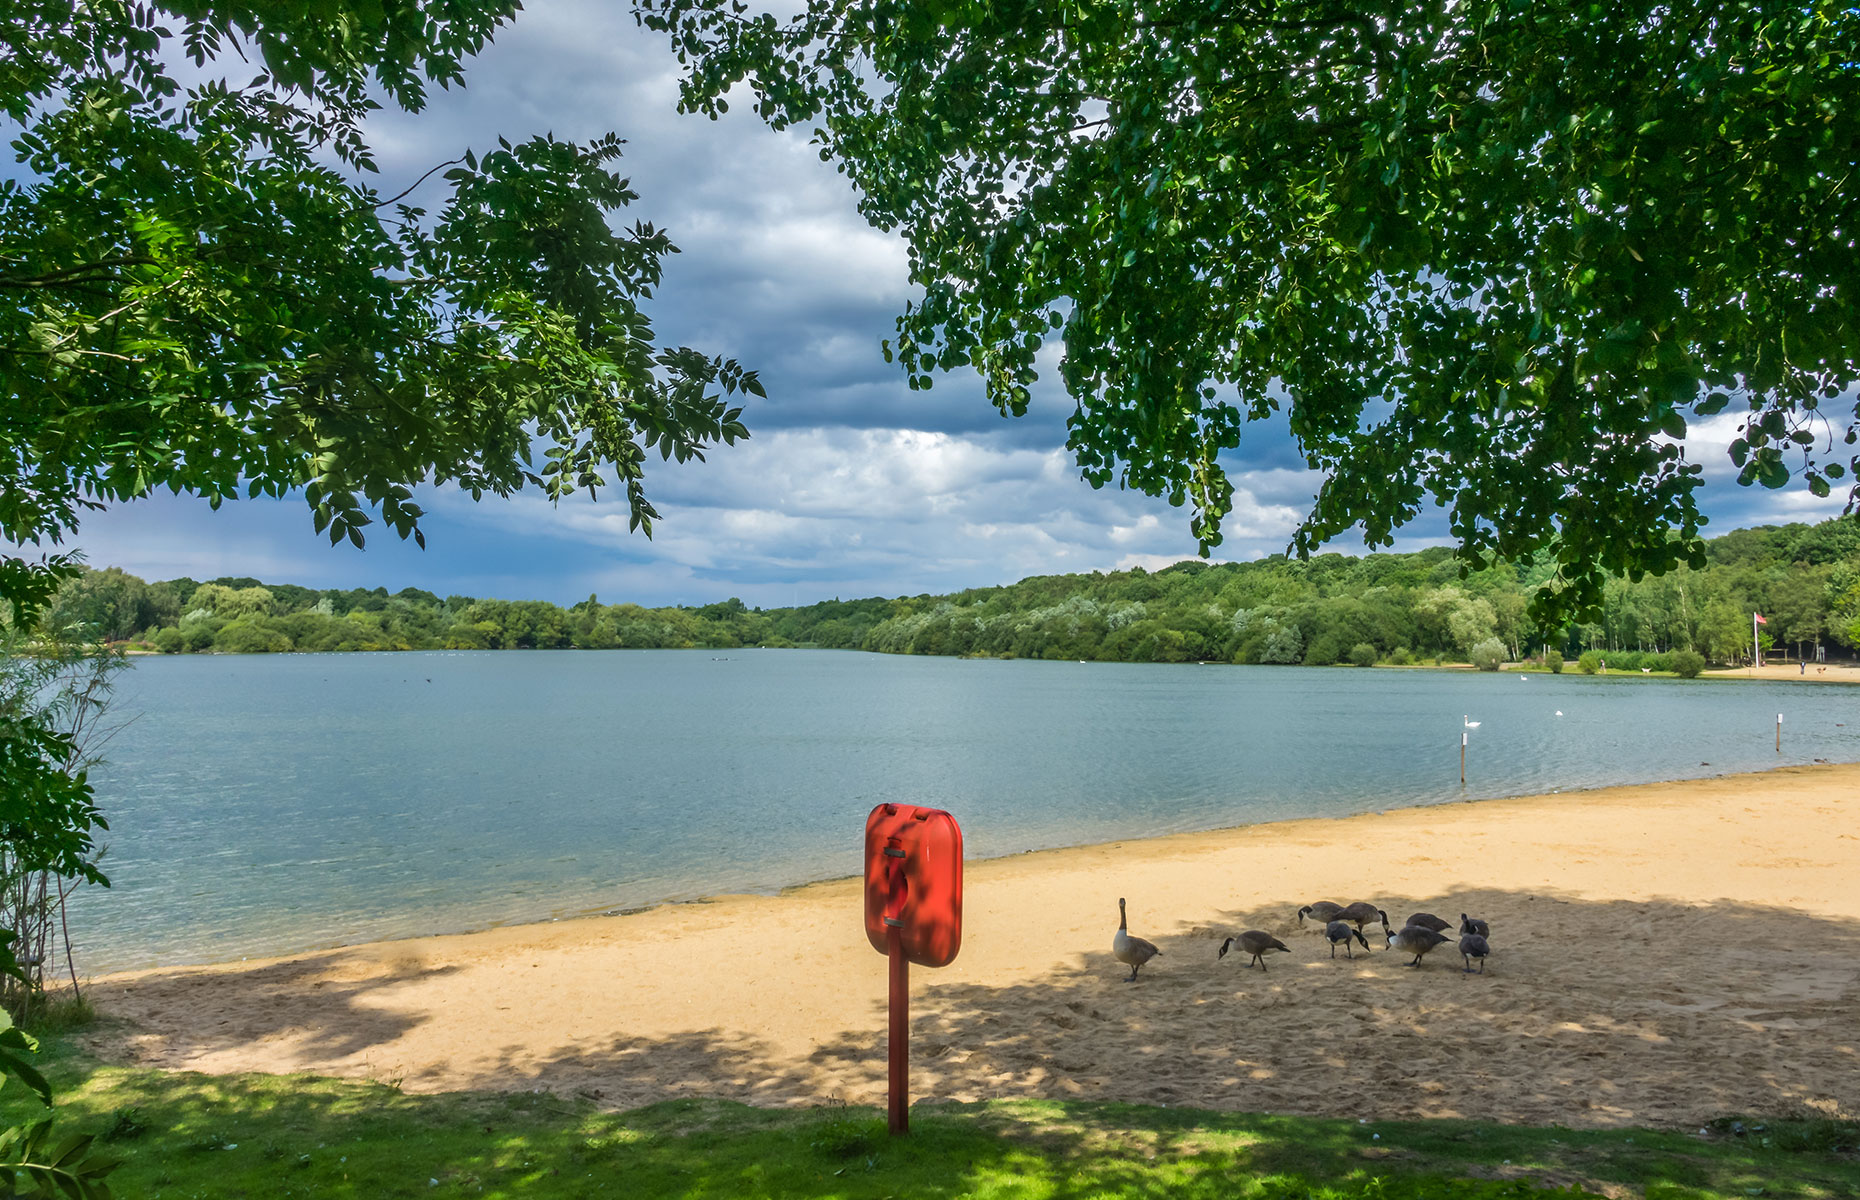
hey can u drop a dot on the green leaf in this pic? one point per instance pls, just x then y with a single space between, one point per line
27 1074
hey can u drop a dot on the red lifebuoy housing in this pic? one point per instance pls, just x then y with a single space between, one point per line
913 876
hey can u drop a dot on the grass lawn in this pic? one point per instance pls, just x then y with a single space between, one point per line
257 1135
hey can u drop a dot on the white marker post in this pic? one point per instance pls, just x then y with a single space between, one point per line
1779 733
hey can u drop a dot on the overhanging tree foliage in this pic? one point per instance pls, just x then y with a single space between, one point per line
199 291
1499 253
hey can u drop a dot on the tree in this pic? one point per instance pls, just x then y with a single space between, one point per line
1494 252
53 698
1798 604
227 602
110 604
200 291
1724 631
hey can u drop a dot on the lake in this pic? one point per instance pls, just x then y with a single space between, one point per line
269 804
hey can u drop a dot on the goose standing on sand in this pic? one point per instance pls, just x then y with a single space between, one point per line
1416 940
1323 910
1474 945
1429 921
1361 913
1254 942
1474 925
1133 952
1340 931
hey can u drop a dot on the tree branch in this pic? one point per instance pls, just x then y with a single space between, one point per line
52 278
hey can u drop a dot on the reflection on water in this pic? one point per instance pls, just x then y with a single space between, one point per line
261 805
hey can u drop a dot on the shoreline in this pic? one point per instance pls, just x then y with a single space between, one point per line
971 864
1830 672
601 912
1663 953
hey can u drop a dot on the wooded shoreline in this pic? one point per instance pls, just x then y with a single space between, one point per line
1393 609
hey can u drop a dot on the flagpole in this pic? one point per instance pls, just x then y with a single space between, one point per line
1756 658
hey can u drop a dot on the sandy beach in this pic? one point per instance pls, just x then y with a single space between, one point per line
1662 954
1792 672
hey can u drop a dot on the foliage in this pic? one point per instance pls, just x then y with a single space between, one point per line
1688 663
852 1135
49 697
1313 612
28 1150
1488 655
266 1135
54 701
1362 655
200 291
1553 661
1590 662
1497 253
125 1125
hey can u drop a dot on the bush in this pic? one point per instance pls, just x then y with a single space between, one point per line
1401 656
1487 655
1363 655
1590 661
247 636
1283 645
1553 661
1688 663
196 636
1324 650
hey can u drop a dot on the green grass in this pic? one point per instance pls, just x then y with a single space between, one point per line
184 1135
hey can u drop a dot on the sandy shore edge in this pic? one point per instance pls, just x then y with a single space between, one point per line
1662 953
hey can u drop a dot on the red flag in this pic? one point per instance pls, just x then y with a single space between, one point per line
1761 619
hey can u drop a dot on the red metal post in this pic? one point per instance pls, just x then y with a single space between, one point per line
899 1052
898 1044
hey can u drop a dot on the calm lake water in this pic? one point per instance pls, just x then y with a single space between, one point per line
264 805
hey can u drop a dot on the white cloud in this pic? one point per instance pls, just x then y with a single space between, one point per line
891 512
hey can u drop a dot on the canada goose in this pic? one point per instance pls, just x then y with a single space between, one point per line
1340 931
1133 952
1474 945
1254 942
1323 910
1361 913
1474 925
1428 921
1416 940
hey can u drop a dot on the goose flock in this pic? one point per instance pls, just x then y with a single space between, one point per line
1343 926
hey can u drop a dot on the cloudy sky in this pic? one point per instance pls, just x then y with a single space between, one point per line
851 484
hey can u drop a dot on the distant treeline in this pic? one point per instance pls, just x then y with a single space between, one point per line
1334 608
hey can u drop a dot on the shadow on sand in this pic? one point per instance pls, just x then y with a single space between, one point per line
1659 1013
